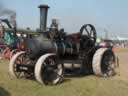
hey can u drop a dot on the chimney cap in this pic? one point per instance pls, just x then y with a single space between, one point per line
43 6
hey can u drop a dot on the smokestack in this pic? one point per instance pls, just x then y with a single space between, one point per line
43 17
11 16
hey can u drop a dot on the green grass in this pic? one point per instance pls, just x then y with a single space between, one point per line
84 86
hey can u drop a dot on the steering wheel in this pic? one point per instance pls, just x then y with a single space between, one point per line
90 32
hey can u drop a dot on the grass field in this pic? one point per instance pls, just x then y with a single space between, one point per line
83 86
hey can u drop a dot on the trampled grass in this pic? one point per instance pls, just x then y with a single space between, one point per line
83 86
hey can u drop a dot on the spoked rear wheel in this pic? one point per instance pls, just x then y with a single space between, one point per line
48 70
13 52
16 60
104 62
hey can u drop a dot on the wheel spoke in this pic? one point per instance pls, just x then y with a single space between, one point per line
18 61
104 62
109 63
50 71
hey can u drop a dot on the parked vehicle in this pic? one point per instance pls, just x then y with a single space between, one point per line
48 55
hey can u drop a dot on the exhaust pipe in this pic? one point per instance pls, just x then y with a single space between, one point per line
43 17
6 22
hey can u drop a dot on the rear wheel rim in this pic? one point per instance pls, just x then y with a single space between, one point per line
13 52
108 64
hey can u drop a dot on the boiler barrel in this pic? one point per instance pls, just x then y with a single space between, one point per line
38 46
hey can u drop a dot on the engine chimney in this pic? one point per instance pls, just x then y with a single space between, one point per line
43 17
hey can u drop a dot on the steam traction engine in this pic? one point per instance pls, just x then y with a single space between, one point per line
52 53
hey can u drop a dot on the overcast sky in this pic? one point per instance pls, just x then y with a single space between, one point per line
111 15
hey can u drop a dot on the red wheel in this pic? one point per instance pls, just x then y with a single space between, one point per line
6 53
3 48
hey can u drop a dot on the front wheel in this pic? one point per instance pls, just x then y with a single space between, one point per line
48 70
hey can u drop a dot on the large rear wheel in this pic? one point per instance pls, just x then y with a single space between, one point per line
16 60
104 62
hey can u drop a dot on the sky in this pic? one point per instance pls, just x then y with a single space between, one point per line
109 15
